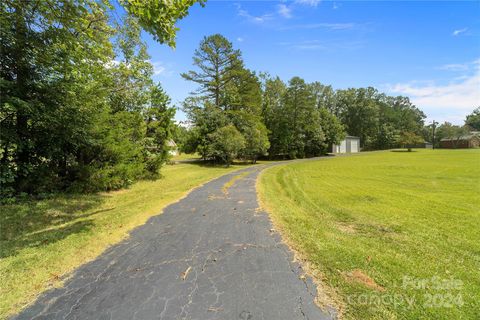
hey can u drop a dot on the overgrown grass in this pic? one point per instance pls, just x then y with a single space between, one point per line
43 241
369 224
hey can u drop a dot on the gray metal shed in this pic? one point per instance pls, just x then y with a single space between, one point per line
350 144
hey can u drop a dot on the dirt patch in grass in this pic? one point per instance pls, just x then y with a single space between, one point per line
346 228
358 276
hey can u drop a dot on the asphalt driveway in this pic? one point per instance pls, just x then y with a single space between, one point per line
212 255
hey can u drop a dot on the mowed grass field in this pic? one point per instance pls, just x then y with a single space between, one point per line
391 235
42 241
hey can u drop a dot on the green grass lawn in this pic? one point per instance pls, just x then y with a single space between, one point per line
391 235
41 242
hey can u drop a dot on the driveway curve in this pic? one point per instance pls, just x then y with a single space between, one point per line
212 255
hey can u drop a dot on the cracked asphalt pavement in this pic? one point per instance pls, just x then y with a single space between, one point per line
212 255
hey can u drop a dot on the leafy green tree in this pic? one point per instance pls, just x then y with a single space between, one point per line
117 156
274 114
133 101
406 116
473 120
228 94
242 102
190 143
217 62
304 131
159 17
227 142
243 93
254 132
256 142
324 97
377 118
332 128
51 87
160 129
76 94
206 119
409 139
452 132
358 111
180 135
130 70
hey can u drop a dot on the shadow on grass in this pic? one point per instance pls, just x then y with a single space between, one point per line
403 150
211 163
216 164
36 223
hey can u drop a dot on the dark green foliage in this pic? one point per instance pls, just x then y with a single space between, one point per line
409 140
226 143
298 118
218 64
376 118
180 136
450 131
159 17
473 120
79 110
288 121
229 95
332 128
160 129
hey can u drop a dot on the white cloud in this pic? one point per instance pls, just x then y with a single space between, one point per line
160 69
312 3
446 102
240 39
459 31
454 67
284 11
329 26
252 18
324 45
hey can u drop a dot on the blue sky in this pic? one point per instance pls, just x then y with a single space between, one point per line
427 50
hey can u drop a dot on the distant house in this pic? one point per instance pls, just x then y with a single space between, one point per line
423 145
471 140
172 147
350 144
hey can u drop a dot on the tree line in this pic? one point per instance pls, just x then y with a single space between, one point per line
79 109
236 112
455 132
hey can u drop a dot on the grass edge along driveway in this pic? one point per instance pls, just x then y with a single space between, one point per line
388 234
42 242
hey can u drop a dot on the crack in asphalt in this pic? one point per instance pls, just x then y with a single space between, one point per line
237 267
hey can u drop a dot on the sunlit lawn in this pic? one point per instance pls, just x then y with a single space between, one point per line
366 222
42 241
186 156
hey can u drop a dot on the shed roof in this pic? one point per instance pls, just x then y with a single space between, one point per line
171 143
